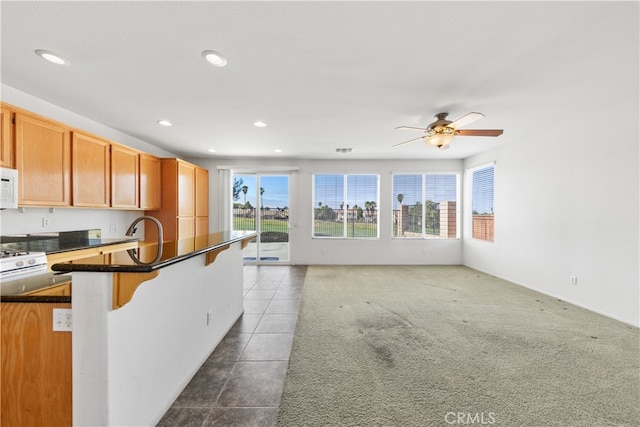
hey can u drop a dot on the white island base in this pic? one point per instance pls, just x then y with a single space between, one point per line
130 364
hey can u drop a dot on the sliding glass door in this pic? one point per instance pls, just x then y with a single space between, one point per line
261 203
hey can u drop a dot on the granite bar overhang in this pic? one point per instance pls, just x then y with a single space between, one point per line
142 259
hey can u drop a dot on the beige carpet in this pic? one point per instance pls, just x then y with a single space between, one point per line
447 345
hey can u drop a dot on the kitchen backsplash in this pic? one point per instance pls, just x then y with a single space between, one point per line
112 223
51 241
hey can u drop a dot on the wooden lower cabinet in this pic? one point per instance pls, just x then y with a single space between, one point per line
36 367
61 290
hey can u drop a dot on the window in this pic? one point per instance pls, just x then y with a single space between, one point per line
425 205
345 206
482 215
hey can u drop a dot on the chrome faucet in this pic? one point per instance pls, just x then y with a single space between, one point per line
132 230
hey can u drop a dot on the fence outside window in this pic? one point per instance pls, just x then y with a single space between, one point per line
274 223
360 222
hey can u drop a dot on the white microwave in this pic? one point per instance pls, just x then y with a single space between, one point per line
9 188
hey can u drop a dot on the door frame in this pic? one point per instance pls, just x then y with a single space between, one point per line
291 174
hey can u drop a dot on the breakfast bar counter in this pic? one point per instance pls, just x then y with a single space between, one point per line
143 325
143 259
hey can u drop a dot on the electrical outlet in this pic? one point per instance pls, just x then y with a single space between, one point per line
573 280
112 228
62 320
45 222
209 314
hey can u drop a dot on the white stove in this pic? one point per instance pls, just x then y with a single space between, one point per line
17 264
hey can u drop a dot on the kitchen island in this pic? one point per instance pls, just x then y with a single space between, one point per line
143 324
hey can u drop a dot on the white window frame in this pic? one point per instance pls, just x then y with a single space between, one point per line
423 174
345 218
468 215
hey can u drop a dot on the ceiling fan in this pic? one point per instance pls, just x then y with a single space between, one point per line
441 132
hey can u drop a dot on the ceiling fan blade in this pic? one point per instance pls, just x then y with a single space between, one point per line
465 120
410 128
480 132
406 142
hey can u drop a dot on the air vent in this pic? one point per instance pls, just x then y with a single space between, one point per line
344 150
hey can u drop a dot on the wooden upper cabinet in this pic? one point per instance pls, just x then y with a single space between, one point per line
91 169
124 177
43 160
59 165
6 138
186 189
202 192
150 177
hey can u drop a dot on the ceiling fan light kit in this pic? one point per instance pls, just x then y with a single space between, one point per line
440 136
442 132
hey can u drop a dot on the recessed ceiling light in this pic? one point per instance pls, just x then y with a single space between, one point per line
211 150
277 150
259 124
215 58
164 123
54 58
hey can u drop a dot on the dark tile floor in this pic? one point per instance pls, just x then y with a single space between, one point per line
241 382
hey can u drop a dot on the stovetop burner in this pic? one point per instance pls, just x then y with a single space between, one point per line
6 253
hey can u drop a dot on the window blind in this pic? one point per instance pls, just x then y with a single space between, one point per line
482 209
482 185
345 206
417 199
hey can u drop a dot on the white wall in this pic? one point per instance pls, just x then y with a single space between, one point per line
572 210
130 364
307 250
68 219
568 205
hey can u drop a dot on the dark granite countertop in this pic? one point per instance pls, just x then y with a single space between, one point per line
141 260
36 299
61 241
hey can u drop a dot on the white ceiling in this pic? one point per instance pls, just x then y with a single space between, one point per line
322 75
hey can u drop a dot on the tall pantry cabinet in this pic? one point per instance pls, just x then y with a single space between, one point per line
185 201
202 201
